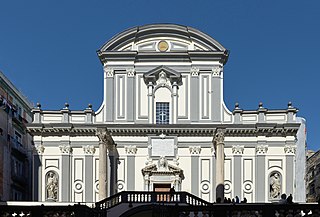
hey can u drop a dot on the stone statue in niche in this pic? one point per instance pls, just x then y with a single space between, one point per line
52 186
275 185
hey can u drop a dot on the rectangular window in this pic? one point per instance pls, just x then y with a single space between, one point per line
162 112
18 138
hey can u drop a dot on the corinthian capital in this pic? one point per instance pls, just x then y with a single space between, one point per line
290 149
104 136
219 136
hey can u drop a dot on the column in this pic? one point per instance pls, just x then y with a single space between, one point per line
150 102
219 146
177 181
105 143
174 102
146 182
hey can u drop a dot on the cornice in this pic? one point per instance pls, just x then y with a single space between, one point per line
140 33
187 130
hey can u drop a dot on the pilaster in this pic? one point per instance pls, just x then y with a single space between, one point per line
130 94
237 151
109 94
261 151
89 151
194 94
216 87
195 152
37 171
290 150
174 102
131 151
66 152
150 103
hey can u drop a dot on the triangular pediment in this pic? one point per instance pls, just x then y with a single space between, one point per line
164 71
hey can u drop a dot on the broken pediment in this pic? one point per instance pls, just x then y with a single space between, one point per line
162 168
162 74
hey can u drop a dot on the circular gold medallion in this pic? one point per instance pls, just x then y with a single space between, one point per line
163 46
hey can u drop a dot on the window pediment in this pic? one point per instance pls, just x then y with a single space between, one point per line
162 74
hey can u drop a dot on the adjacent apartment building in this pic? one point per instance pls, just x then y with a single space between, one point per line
313 177
16 144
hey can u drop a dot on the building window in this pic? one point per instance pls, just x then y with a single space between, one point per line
162 112
16 195
18 137
17 167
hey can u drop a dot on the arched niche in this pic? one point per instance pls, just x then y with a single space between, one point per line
52 186
275 185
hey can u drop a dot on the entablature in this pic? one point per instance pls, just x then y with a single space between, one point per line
185 130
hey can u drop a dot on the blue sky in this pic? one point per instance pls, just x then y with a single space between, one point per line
48 48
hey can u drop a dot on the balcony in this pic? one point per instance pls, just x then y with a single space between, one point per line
17 148
17 118
19 179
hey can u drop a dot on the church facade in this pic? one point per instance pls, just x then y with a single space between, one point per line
162 124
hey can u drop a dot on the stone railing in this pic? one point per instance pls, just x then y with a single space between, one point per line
150 197
185 204
264 115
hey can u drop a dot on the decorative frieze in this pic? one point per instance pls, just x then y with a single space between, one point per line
261 149
216 71
195 149
131 149
39 149
194 71
109 72
290 149
130 72
237 149
89 149
65 149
